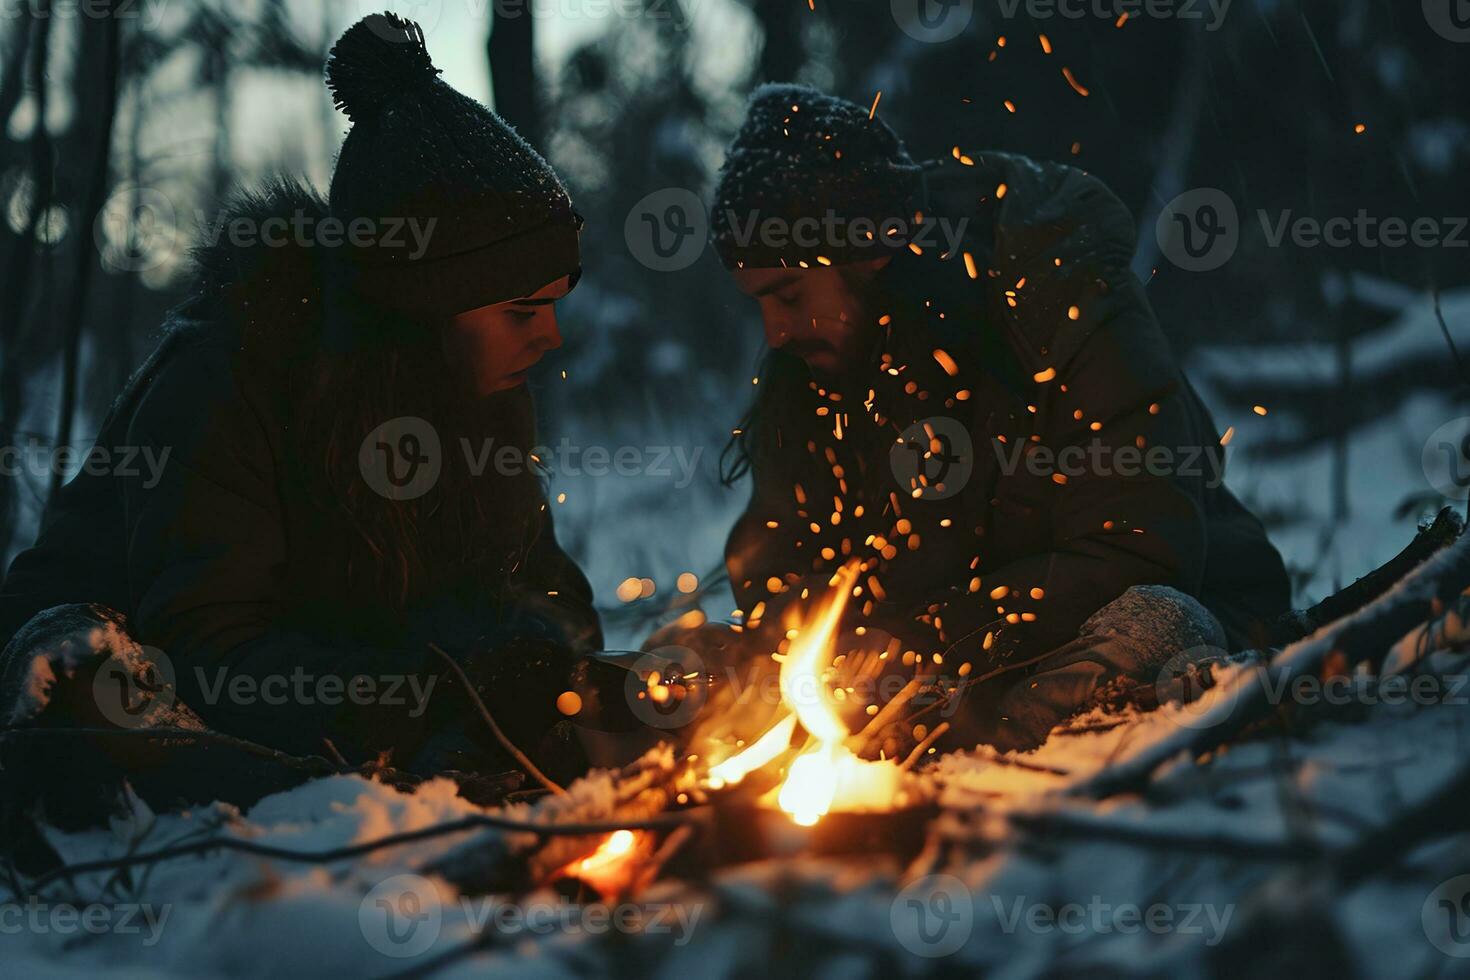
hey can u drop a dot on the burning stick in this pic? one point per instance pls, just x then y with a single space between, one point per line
649 870
638 798
500 861
885 715
766 748
614 867
918 752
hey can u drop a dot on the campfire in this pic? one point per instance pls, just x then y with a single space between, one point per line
825 774
802 785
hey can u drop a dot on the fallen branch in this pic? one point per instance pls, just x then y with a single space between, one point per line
473 822
487 938
1055 826
1246 697
1447 526
500 736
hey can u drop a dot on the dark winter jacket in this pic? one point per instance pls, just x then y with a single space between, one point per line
1050 343
232 566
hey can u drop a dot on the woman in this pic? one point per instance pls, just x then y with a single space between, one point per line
331 406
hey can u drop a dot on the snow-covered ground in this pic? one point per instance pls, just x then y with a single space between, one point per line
1384 459
1184 883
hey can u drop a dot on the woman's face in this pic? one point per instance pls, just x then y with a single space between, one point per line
494 346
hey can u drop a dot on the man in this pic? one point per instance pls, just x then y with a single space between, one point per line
967 391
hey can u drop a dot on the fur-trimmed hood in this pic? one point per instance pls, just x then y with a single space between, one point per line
267 272
253 272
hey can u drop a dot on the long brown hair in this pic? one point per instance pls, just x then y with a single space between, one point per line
340 367
471 530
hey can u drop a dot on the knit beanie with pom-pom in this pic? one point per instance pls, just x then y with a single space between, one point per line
806 160
493 221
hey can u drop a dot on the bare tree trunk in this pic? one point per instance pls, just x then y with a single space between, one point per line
87 257
11 83
782 52
1178 145
122 363
223 149
15 294
1340 461
331 124
511 50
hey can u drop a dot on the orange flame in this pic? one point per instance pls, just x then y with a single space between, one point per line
610 868
608 853
827 774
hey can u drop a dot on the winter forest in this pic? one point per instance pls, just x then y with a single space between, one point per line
655 739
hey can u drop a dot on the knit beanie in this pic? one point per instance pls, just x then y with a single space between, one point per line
493 222
812 178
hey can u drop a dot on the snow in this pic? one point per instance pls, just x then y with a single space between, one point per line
1074 895
57 659
1384 457
58 647
226 914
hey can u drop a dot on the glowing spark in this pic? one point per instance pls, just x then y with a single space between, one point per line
1077 86
946 362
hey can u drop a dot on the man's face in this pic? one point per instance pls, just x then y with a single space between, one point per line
816 314
494 346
